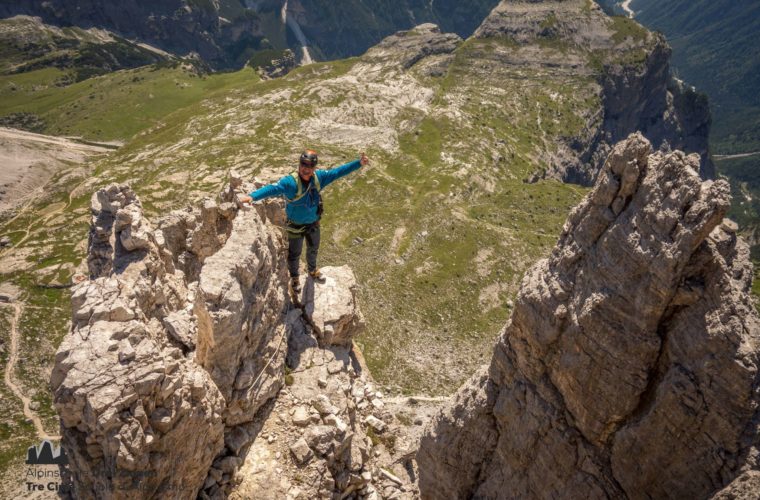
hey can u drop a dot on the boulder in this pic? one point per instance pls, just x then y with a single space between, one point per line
301 451
333 306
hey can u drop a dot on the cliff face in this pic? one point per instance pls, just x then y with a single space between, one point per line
633 82
629 365
647 98
348 28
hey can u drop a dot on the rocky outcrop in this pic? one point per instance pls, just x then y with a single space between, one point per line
632 69
318 440
278 66
130 397
177 358
238 306
408 47
629 366
333 306
177 341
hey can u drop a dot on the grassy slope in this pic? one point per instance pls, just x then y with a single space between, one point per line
114 106
26 44
483 228
447 309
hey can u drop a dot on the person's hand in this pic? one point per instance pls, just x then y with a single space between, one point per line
363 160
246 199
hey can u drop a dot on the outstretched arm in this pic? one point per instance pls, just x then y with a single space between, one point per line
284 186
328 176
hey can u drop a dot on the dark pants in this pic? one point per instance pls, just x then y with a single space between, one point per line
295 246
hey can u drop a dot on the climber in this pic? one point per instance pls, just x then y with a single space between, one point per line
303 208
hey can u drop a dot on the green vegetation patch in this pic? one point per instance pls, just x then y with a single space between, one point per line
624 28
114 106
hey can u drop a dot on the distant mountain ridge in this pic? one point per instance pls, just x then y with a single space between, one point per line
226 33
27 44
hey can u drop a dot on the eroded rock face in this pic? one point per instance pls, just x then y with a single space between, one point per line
177 340
629 365
645 97
239 306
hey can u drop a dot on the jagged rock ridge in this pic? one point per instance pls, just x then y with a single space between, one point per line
177 359
629 365
167 338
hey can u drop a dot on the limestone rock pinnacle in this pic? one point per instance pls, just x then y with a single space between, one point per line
629 365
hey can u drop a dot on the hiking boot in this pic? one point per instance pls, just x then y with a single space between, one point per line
317 276
295 284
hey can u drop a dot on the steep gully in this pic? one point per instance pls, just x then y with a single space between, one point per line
291 22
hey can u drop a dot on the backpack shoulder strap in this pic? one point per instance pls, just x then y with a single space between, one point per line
299 187
300 193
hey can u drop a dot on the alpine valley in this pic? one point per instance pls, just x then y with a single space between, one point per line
129 132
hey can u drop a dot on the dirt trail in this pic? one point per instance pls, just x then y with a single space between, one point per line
10 378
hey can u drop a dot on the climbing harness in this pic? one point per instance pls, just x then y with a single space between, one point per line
297 230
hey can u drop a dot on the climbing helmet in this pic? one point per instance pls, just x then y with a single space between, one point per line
309 158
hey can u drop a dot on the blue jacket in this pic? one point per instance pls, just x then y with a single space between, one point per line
304 211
